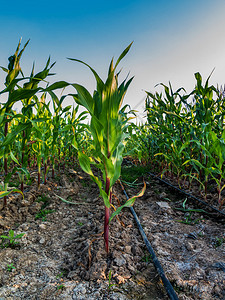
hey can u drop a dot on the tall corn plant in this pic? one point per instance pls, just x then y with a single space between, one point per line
107 129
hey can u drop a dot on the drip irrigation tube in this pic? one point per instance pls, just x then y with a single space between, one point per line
187 194
169 288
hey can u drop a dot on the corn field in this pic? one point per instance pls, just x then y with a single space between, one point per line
182 140
184 137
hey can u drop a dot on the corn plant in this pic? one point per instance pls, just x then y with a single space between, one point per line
107 128
218 152
187 130
17 93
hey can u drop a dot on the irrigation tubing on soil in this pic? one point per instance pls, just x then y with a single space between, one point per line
168 286
187 194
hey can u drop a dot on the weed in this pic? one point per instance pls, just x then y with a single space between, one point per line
200 234
110 285
61 287
10 267
43 213
147 258
188 216
10 240
131 173
80 223
189 220
30 181
44 199
84 183
14 183
61 274
219 241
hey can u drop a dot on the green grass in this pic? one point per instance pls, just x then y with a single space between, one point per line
45 200
43 213
132 173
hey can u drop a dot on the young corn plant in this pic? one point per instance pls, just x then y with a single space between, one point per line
17 93
107 127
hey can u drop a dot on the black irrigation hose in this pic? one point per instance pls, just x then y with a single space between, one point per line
168 286
187 194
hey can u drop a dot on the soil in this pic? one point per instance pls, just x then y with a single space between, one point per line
61 254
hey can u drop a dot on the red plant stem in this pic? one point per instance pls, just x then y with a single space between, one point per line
6 173
107 215
28 159
181 137
22 160
39 179
219 190
21 186
59 158
34 163
206 180
200 171
53 167
5 161
45 173
39 176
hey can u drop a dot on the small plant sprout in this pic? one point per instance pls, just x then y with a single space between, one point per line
147 258
80 223
43 213
61 287
110 285
11 239
219 241
10 267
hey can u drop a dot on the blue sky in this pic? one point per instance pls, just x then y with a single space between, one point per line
172 40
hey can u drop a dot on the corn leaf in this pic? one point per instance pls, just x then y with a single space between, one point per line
129 202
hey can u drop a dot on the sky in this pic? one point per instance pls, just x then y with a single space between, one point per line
172 40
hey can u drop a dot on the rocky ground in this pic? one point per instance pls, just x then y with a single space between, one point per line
61 254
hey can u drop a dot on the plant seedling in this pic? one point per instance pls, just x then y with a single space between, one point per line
43 213
110 285
10 240
43 199
219 242
189 219
10 267
147 258
61 274
61 287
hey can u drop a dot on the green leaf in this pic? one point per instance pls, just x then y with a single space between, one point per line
129 202
6 193
84 98
56 85
196 162
123 54
14 158
12 135
20 94
11 233
4 237
100 83
70 202
85 163
18 236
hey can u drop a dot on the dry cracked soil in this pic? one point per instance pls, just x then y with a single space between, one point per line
61 254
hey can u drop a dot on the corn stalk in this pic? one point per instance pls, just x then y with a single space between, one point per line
107 128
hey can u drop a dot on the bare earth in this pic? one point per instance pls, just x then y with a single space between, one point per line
62 256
